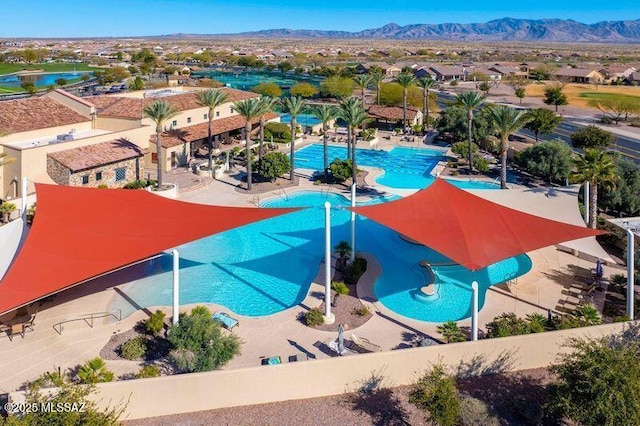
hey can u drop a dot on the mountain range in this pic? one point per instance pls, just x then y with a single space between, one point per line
506 29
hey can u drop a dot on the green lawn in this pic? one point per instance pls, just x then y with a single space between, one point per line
11 68
603 96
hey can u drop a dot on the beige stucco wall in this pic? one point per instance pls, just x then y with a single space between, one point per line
32 162
69 102
47 132
315 378
117 124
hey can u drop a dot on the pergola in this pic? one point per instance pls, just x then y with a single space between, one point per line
82 233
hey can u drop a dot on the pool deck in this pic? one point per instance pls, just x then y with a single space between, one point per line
43 349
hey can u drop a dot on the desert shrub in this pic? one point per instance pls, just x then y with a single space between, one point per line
362 311
529 410
367 134
588 315
340 169
281 132
339 287
67 394
599 381
139 184
622 318
273 165
507 324
462 149
481 164
453 83
474 412
436 393
313 317
355 270
537 322
94 371
565 322
103 186
148 371
155 323
135 348
199 343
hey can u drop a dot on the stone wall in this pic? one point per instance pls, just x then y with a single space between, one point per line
63 176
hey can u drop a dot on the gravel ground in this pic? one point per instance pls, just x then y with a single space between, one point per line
384 406
344 310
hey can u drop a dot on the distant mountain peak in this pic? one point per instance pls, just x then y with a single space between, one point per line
504 29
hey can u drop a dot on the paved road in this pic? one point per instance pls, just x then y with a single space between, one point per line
628 146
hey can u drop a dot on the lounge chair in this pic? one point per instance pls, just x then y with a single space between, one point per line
361 345
224 319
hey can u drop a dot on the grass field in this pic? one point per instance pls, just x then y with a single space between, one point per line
11 68
580 94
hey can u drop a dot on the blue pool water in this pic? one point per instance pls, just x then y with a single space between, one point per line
40 80
266 267
405 168
308 120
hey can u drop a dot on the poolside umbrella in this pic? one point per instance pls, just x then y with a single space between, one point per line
340 339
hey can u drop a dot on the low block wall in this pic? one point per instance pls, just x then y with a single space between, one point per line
315 378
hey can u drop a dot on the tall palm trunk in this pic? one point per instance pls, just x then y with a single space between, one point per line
593 203
404 108
425 111
469 135
326 153
378 94
503 163
364 102
247 138
210 143
159 154
354 168
261 137
293 145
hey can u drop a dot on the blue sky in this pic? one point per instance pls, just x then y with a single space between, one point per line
83 18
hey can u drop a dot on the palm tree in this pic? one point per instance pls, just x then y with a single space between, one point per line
250 109
362 81
451 332
405 80
595 167
506 121
159 112
211 98
377 78
426 83
5 159
325 113
266 103
353 112
294 105
469 101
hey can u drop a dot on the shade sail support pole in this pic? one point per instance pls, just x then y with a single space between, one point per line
630 272
353 223
585 198
329 318
23 193
176 286
474 314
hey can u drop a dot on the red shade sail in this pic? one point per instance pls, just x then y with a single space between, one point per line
468 229
80 233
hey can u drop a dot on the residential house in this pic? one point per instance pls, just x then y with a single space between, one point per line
579 75
615 74
449 72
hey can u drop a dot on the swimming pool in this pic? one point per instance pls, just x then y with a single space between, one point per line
404 167
307 120
266 267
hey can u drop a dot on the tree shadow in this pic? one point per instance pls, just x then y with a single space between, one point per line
478 365
378 401
517 398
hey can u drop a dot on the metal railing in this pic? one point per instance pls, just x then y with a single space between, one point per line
88 318
255 200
